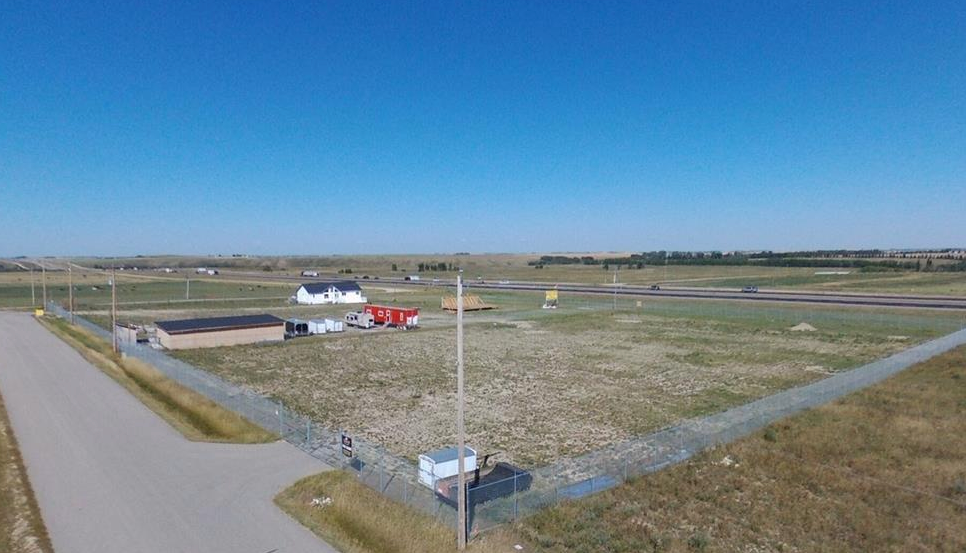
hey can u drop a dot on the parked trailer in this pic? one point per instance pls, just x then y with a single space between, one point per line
360 319
444 463
296 327
322 326
401 317
504 480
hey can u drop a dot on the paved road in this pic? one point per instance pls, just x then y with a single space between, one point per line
845 299
110 476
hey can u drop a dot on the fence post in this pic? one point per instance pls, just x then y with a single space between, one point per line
281 432
308 432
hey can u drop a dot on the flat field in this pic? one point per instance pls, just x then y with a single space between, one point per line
879 470
548 384
515 267
92 289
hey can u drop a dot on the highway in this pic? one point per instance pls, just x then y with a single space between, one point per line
112 477
845 299
842 299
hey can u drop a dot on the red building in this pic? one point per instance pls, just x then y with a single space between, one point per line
402 317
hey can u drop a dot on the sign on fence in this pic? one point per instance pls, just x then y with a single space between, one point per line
346 445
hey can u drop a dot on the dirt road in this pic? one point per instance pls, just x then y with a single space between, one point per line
110 476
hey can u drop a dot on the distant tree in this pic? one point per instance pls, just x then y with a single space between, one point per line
394 268
421 266
606 266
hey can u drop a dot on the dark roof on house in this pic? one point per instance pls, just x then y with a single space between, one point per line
320 287
212 324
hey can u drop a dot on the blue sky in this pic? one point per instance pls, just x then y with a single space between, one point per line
355 127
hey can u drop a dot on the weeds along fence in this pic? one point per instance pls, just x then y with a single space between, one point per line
493 503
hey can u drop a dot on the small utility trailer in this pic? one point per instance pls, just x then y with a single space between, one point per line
502 480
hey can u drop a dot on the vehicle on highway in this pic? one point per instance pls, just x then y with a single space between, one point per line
750 289
504 282
654 287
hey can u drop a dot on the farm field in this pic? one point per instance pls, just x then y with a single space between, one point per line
514 267
92 289
878 470
549 384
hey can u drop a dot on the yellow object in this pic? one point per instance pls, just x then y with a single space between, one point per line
470 303
38 312
551 295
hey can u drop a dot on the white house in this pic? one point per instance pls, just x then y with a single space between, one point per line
344 291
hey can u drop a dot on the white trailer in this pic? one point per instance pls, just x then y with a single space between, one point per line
360 319
444 463
317 326
323 326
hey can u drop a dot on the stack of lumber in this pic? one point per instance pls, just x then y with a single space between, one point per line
471 302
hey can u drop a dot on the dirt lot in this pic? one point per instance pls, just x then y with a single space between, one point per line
879 470
547 384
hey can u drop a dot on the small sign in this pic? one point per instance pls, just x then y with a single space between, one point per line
346 445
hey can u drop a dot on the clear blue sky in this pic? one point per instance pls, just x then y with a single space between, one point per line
340 127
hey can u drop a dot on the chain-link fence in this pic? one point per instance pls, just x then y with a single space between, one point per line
494 500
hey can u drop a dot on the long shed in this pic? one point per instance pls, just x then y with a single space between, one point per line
220 331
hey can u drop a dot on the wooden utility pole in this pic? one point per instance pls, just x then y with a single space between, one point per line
615 289
70 292
114 308
460 430
187 287
33 296
43 271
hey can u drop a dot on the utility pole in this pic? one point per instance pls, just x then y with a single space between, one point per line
70 291
114 308
460 430
187 287
33 296
615 289
43 271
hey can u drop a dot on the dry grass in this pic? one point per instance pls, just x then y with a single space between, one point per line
195 416
360 520
540 386
880 470
21 526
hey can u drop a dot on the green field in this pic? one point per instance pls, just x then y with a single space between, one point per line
515 267
92 289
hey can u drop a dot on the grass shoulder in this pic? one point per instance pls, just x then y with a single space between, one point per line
193 415
356 519
878 470
22 528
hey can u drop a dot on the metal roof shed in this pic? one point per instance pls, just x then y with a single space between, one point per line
220 331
